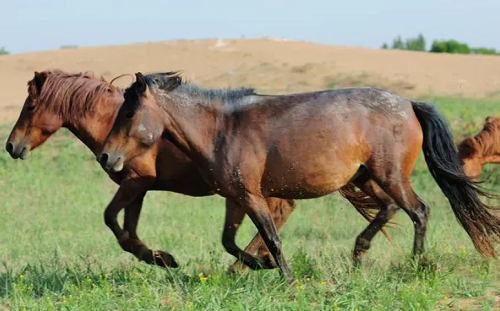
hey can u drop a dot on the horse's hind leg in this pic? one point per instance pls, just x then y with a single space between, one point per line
400 190
387 209
281 210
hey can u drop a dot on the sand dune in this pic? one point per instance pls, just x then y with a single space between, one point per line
271 66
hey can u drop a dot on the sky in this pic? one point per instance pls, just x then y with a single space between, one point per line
47 24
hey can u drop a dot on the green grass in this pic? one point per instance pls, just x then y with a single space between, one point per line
57 254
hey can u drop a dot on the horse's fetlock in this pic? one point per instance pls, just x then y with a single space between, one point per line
362 244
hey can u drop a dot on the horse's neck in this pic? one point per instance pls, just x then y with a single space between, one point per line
194 131
93 128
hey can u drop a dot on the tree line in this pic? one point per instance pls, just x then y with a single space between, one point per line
438 46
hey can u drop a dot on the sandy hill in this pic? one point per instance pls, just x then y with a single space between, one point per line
271 66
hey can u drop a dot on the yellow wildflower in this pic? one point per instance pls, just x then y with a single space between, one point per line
202 277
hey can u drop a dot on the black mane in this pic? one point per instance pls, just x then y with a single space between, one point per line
166 81
173 82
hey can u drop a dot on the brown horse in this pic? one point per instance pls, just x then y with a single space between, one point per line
482 149
249 147
88 106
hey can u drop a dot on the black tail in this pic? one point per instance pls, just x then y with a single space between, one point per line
442 159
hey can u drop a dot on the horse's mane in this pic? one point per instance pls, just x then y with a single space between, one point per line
485 143
173 82
71 95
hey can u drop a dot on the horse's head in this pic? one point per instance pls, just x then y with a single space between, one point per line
137 127
35 124
475 152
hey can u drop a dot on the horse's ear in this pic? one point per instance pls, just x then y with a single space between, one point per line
141 82
488 119
37 83
40 78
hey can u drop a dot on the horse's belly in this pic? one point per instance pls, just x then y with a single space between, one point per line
315 159
308 180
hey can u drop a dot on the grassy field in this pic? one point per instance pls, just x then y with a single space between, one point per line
57 254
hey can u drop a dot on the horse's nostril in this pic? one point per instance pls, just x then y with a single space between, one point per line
9 147
103 158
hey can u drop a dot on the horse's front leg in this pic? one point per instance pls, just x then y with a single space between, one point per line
133 244
130 196
281 210
256 208
234 216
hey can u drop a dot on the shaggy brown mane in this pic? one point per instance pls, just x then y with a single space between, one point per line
70 95
485 143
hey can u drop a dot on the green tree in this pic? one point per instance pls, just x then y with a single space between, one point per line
450 46
484 51
415 44
3 51
385 46
397 43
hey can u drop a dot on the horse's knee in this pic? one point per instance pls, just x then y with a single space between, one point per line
392 209
422 213
425 209
229 245
277 245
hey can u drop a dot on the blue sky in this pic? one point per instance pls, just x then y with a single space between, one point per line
41 25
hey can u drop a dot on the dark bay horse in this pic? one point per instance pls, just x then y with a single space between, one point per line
249 147
88 106
481 149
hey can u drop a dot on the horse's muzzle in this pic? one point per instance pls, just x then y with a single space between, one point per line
110 162
18 151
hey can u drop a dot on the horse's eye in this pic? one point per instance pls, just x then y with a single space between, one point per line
129 114
31 108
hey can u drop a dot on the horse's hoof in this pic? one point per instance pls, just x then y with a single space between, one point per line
359 261
267 262
162 259
426 263
236 268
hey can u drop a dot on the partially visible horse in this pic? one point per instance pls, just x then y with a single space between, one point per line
88 106
249 147
482 149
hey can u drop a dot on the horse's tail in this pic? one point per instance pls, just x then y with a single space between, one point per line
364 204
463 194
